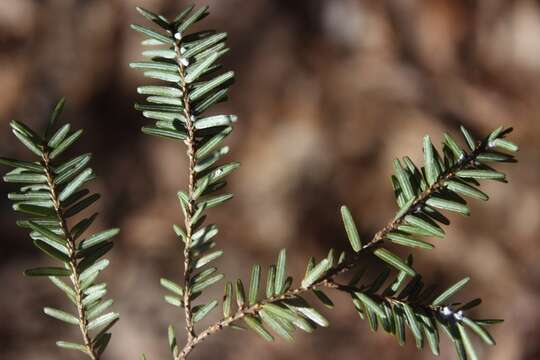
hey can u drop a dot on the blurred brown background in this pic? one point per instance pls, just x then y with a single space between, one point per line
328 93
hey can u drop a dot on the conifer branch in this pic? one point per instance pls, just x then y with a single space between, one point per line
191 148
463 162
417 203
51 193
72 254
188 62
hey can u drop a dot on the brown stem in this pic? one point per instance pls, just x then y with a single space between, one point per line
328 279
191 149
73 262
